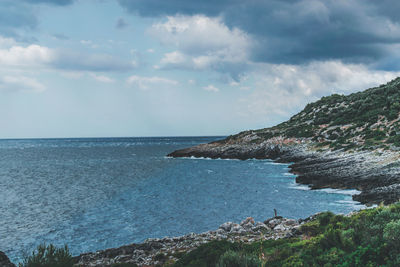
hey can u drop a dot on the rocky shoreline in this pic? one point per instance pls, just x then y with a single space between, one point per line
5 261
375 173
159 251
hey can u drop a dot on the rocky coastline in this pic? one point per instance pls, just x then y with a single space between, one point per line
375 173
160 251
5 261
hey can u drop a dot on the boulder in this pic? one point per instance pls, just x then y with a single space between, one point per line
226 226
248 220
5 261
237 229
290 222
279 227
260 227
272 223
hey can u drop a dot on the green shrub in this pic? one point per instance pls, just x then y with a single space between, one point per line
391 234
235 259
207 254
325 217
370 237
311 228
49 256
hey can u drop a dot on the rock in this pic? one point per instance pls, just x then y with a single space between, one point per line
296 230
248 226
148 253
279 227
273 222
376 175
260 227
5 261
248 220
237 229
220 231
290 222
226 226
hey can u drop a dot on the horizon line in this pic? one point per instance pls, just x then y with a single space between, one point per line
110 137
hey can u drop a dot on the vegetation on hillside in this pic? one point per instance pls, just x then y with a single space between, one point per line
363 120
368 238
49 256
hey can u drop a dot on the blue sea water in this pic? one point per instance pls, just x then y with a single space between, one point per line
100 193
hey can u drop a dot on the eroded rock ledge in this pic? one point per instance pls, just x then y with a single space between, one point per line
158 251
375 173
5 261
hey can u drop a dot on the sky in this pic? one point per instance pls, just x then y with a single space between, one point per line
108 68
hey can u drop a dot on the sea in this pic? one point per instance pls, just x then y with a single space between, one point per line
99 193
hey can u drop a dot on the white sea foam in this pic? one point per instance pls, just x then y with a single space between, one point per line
300 187
289 174
349 192
340 191
204 158
347 202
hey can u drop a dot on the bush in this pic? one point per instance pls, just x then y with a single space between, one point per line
207 254
325 217
368 238
391 235
48 256
235 259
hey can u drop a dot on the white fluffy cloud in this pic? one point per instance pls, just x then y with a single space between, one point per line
30 56
6 42
211 88
33 56
20 83
201 43
146 83
102 78
174 58
282 90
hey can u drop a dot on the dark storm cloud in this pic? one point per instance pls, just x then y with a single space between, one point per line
288 31
190 7
15 16
19 15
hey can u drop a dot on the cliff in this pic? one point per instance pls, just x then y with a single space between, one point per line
348 142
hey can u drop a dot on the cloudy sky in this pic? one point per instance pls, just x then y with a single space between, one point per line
86 68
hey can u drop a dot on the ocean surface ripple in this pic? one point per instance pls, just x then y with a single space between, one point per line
100 193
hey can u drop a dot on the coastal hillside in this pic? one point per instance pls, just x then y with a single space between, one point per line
366 238
365 120
345 142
